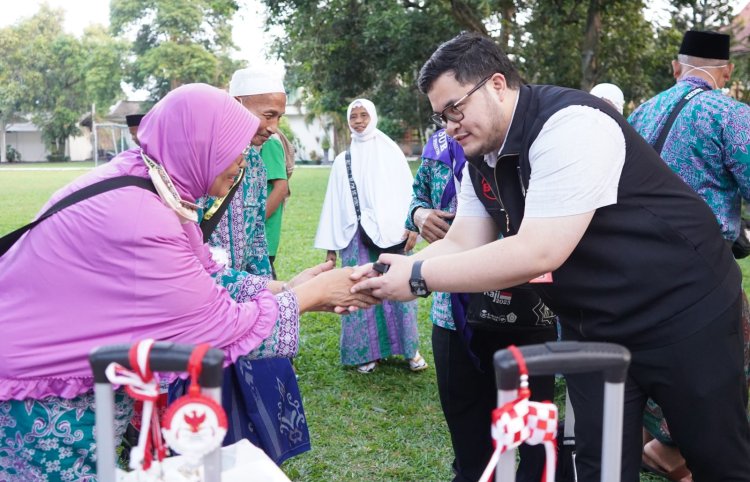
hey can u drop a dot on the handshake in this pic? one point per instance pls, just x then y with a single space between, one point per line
344 290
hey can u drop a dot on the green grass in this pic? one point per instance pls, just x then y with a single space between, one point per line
386 426
49 165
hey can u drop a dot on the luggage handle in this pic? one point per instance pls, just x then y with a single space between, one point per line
565 357
571 357
164 357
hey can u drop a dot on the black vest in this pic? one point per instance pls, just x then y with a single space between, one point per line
649 270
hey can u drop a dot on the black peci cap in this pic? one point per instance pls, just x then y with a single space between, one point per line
134 120
706 45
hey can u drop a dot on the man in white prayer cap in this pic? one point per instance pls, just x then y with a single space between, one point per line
611 93
264 96
235 228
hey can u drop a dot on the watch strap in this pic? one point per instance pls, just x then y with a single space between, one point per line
416 270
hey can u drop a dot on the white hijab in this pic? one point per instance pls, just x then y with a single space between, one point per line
384 187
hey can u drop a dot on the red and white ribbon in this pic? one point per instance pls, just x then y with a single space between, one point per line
524 421
141 384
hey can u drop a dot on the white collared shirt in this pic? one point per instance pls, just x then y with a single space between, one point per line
576 162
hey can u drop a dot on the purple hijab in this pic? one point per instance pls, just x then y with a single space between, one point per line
120 266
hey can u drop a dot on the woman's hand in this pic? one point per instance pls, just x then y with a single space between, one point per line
411 240
311 273
331 291
432 223
331 256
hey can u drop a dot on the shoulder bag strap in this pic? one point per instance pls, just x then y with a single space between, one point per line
352 186
208 224
659 143
91 190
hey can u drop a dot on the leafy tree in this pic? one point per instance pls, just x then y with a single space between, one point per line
700 14
343 49
176 41
55 76
612 40
337 50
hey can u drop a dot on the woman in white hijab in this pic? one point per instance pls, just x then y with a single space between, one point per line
383 183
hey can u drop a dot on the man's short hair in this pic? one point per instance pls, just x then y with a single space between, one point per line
471 57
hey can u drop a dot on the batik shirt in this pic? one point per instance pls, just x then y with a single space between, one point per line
429 184
241 233
708 146
241 230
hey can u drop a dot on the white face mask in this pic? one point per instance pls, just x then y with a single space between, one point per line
703 69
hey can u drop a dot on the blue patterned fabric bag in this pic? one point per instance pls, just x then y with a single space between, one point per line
263 404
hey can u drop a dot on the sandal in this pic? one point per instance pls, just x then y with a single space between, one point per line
367 367
650 464
417 364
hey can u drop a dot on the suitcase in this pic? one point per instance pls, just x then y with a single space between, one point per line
164 357
570 357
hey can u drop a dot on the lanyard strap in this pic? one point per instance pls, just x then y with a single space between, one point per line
352 186
212 217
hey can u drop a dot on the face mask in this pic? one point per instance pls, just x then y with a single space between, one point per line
693 67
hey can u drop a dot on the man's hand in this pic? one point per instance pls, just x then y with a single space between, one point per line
394 285
338 295
432 223
310 273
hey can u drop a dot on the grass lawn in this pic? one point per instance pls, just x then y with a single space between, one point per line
386 426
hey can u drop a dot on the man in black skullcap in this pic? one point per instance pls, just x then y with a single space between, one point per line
133 121
702 135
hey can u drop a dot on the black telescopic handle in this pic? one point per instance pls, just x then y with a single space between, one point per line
566 357
164 357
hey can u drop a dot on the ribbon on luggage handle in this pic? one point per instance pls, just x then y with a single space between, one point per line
524 421
141 384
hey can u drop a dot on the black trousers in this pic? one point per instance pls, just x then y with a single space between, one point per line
699 383
468 396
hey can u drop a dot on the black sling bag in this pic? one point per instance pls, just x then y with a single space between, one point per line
89 191
740 246
396 248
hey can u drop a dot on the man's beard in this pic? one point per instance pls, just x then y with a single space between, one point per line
494 139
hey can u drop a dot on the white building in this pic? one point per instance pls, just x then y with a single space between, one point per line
310 131
26 138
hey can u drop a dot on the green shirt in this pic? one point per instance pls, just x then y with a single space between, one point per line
272 154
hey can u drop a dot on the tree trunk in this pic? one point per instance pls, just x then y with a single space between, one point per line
590 49
508 15
467 17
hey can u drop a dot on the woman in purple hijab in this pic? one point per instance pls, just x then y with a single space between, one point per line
125 265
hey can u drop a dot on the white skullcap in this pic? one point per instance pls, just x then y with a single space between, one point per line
611 93
253 81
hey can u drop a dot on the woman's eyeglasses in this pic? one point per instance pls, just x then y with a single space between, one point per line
452 112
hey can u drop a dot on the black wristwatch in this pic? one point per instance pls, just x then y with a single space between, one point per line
416 282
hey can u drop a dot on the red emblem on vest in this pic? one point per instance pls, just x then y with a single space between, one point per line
487 190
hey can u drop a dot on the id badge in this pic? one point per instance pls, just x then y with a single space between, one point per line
545 278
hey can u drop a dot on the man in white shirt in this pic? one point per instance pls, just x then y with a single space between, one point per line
629 253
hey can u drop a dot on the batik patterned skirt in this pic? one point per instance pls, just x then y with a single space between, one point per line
383 330
52 439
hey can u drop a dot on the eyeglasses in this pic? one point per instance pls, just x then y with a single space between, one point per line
452 113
